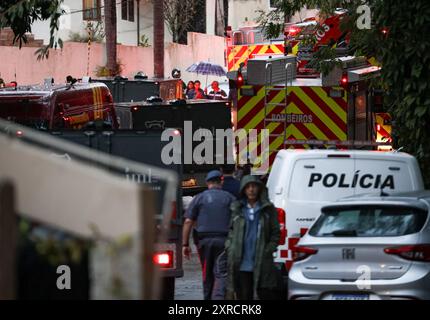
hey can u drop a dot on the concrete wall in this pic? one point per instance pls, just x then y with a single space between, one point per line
73 21
72 60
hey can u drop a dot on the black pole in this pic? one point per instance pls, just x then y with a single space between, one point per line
138 22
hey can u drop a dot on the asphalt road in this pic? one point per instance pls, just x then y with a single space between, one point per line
190 286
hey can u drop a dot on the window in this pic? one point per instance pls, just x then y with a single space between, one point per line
91 10
368 221
127 10
273 4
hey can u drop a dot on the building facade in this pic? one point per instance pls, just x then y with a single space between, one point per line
134 21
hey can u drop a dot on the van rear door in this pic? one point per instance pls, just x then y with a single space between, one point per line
322 179
389 175
316 182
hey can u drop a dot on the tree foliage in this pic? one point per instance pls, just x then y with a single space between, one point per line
180 16
19 15
399 40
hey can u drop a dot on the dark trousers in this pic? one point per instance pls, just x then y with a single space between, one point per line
210 251
245 288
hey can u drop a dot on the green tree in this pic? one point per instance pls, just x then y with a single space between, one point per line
399 40
179 16
19 15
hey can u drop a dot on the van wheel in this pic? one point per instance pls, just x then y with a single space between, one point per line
168 289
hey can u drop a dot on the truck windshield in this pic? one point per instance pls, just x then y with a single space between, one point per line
366 221
38 124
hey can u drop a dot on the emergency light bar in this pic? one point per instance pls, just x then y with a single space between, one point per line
364 73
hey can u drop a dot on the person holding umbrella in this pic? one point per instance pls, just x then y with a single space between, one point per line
207 69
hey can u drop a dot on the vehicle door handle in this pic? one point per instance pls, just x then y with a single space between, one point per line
311 268
395 268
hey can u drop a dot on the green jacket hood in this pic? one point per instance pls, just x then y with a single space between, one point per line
264 199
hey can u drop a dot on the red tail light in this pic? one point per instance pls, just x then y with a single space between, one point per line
240 81
412 253
174 211
294 31
164 259
344 81
283 224
12 84
302 253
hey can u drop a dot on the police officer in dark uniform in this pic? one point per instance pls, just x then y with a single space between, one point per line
210 211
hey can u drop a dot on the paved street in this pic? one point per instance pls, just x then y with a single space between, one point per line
190 286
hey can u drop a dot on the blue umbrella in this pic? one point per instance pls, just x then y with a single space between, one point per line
207 69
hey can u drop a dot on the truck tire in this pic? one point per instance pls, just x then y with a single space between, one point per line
168 289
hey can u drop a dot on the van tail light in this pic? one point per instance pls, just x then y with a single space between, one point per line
164 259
413 253
302 253
283 225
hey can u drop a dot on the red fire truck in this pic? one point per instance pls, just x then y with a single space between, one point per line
48 106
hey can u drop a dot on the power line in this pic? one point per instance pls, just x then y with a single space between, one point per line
98 7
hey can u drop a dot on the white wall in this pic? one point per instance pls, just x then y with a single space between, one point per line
244 13
73 60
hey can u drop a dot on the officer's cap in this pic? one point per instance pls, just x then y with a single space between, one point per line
214 175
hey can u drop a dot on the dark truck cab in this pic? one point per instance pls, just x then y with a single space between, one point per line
203 114
141 88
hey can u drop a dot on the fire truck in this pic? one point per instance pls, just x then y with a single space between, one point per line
338 109
302 39
63 106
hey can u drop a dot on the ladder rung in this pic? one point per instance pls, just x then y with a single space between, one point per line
276 104
274 120
276 135
275 89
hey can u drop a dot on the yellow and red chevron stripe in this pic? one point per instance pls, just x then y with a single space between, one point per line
241 54
383 127
312 114
98 103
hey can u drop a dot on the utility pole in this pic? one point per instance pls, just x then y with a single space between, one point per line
138 22
158 38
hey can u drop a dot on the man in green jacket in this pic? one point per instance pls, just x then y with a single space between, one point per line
252 240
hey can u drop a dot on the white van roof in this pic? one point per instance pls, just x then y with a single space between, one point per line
356 154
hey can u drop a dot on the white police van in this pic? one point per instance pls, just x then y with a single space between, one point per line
301 182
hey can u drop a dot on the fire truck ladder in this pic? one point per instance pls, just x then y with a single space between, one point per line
269 106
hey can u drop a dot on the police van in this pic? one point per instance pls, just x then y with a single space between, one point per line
302 182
